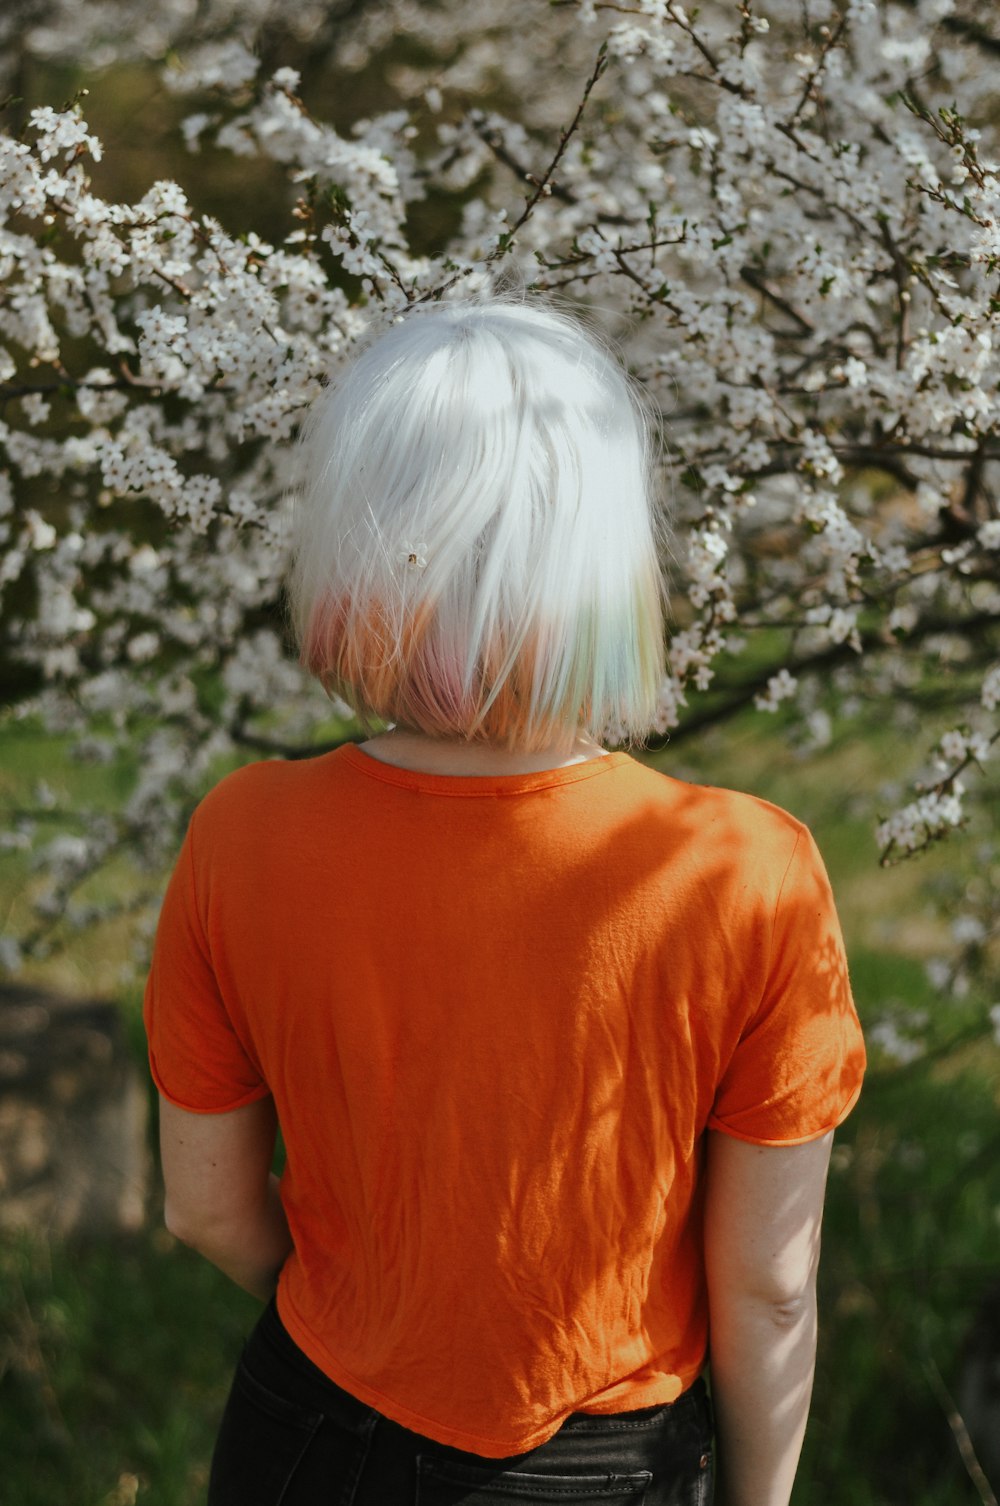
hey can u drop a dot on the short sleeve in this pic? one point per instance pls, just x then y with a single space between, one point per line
796 1071
195 1055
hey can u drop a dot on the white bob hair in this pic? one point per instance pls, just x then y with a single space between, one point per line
476 552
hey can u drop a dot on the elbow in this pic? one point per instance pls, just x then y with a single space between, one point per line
779 1290
182 1226
780 1309
204 1230
789 1313
174 1222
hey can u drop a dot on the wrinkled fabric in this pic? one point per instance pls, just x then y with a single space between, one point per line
497 1015
289 1435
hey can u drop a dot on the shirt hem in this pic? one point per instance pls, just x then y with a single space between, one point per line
417 1422
680 1382
226 1108
815 1134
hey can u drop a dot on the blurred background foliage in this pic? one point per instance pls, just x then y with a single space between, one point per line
115 1354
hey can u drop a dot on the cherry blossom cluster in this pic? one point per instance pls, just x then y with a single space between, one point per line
785 212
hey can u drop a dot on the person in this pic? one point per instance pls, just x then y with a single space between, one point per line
556 1042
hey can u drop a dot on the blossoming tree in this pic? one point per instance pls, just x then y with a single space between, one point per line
786 211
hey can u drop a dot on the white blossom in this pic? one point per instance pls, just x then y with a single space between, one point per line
929 816
887 1036
61 132
780 687
990 693
803 281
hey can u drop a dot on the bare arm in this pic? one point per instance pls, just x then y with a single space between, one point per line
762 1233
221 1197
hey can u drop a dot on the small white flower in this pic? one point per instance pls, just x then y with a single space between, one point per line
954 746
41 534
902 619
192 128
10 954
780 687
979 747
842 623
967 928
888 1037
990 693
856 372
938 973
287 79
929 816
36 409
413 556
142 647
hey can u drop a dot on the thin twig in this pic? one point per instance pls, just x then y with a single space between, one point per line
824 659
117 384
900 276
756 281
960 1432
491 136
973 32
829 43
292 751
543 184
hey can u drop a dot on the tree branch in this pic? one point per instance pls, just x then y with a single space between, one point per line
962 26
756 280
959 1431
543 185
292 751
825 659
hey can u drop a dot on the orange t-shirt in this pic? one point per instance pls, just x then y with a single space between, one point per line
497 1015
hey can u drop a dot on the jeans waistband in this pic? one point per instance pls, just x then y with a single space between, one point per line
316 1388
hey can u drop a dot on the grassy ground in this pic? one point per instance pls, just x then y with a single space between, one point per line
115 1357
116 1360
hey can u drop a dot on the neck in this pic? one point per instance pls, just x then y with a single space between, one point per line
432 755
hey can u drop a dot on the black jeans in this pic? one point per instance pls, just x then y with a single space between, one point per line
291 1437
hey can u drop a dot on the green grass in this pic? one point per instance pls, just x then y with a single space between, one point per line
116 1363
